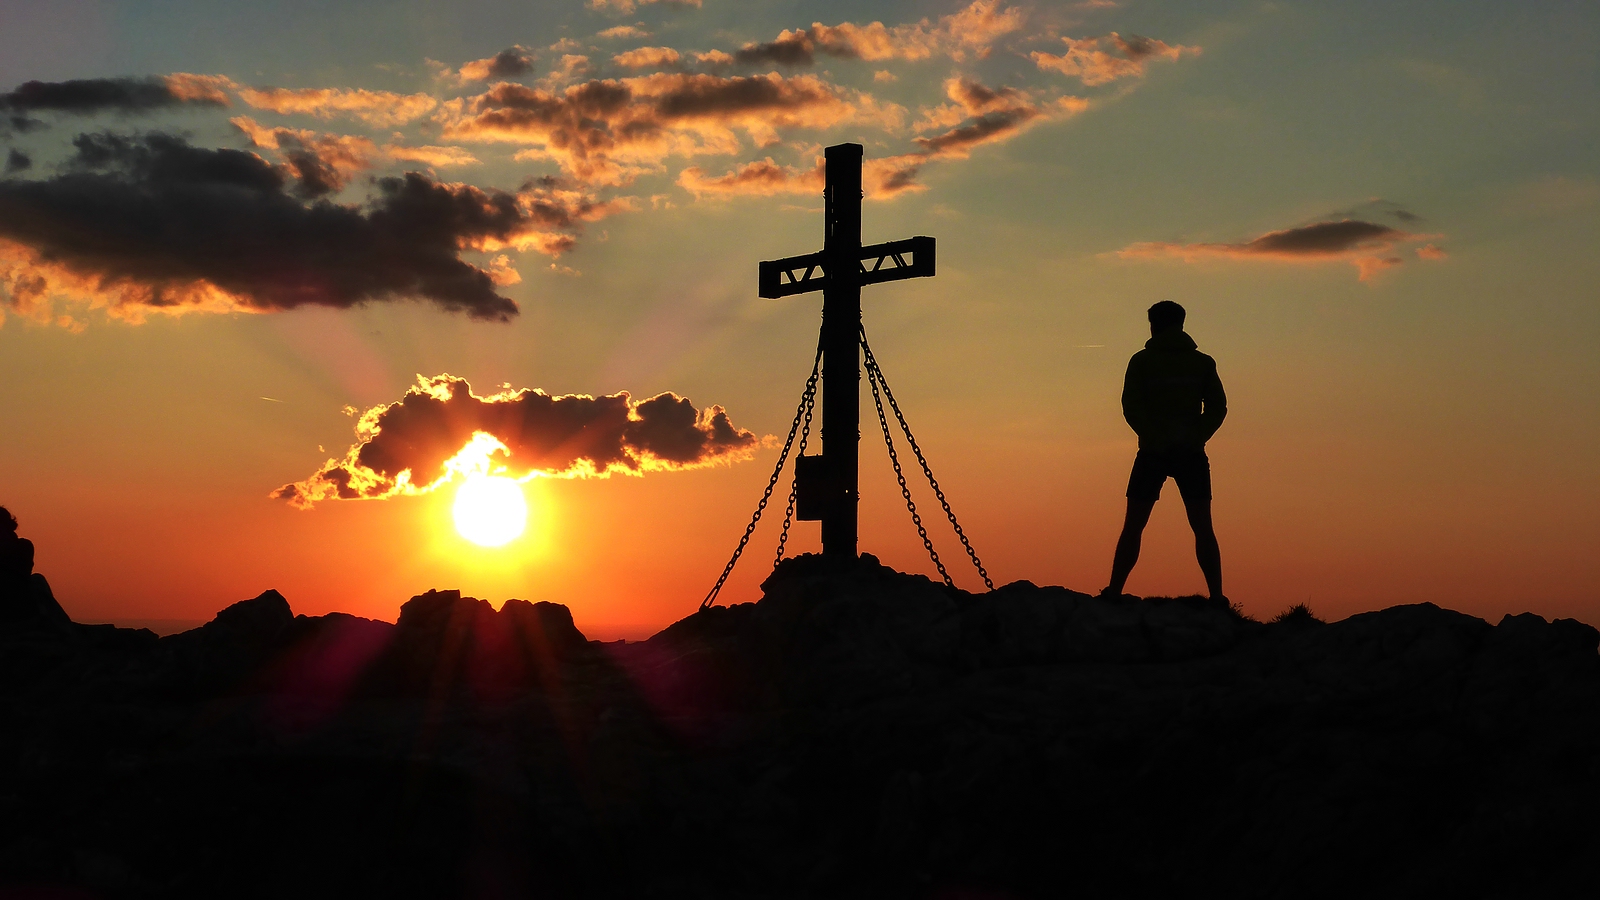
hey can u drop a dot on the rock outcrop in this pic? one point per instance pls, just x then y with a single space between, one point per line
857 733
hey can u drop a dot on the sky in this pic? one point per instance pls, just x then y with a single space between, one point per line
267 268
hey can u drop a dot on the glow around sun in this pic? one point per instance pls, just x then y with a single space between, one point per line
490 510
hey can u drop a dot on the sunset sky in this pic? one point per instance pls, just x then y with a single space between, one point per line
230 233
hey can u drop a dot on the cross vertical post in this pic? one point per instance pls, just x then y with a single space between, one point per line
841 353
827 486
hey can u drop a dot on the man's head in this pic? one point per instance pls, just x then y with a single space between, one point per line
1166 316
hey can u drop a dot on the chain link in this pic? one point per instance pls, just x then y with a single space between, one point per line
875 375
873 378
810 403
807 400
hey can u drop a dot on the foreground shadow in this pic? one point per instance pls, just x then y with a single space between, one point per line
857 733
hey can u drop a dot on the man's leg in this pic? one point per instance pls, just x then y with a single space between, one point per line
1205 543
1128 544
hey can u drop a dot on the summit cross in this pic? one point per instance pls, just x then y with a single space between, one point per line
827 484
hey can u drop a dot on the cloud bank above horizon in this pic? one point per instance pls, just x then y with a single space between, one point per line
333 195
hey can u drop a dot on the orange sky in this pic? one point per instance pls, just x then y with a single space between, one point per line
1420 430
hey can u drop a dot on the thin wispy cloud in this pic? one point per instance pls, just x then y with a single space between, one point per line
1369 246
1098 60
383 109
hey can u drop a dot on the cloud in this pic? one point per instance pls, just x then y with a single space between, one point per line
623 32
647 58
624 7
126 95
17 161
974 28
441 430
322 163
1089 60
508 63
994 115
610 131
1369 246
151 224
428 155
382 109
762 178
980 115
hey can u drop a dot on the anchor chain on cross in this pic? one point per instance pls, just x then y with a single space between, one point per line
827 484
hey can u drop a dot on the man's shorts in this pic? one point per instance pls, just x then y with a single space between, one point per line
1189 468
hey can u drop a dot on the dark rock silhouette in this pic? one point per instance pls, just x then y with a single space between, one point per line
25 596
857 733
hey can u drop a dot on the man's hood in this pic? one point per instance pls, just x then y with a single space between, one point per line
1174 341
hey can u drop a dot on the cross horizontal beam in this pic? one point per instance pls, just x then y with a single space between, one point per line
889 261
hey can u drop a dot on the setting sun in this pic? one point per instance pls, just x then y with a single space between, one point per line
490 510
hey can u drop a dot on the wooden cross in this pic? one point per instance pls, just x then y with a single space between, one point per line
827 483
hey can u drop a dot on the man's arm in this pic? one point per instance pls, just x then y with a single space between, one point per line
1135 408
1216 405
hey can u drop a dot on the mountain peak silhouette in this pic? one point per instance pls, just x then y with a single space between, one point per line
856 732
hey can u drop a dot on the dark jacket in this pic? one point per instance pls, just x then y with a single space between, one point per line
1172 397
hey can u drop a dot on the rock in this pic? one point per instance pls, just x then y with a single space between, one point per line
857 732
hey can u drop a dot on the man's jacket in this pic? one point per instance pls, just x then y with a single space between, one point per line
1172 396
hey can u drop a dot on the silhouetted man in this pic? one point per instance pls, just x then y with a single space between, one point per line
1172 398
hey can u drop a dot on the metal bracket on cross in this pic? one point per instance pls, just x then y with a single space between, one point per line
876 264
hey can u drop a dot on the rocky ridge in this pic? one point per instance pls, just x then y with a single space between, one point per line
857 732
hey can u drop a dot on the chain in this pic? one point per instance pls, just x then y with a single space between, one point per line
874 377
875 374
807 400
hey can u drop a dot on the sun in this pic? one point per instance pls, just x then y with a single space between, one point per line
490 510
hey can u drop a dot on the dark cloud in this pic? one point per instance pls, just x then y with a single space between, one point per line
791 48
440 430
609 131
90 95
153 223
17 161
18 124
322 163
1323 238
1368 246
511 62
991 126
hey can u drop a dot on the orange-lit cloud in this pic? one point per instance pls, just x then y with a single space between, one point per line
1099 60
647 58
237 235
974 28
623 32
89 95
610 131
978 114
440 430
323 163
624 7
1368 246
428 155
383 109
511 62
762 178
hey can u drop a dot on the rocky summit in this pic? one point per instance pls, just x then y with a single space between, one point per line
858 732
